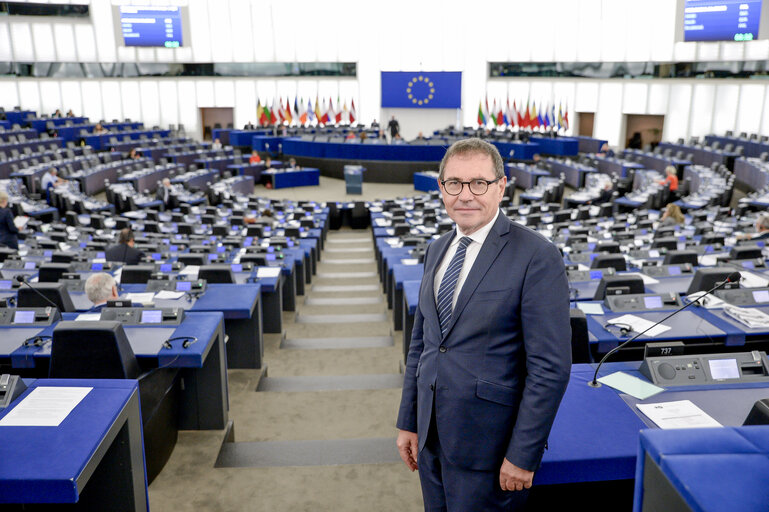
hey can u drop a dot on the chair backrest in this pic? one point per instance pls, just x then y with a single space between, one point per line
666 243
192 259
580 342
745 252
634 283
54 292
706 278
52 272
92 350
615 261
136 274
676 257
218 273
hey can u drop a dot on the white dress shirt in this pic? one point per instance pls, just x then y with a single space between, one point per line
471 253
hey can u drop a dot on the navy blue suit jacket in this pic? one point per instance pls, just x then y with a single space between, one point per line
9 233
498 375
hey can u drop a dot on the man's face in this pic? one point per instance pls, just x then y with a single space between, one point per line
469 211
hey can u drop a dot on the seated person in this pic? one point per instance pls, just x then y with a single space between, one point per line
124 250
57 113
99 288
420 136
267 163
672 216
350 136
217 144
51 179
134 154
607 192
364 136
99 129
762 229
9 233
605 150
536 158
292 163
671 178
255 158
164 192
70 113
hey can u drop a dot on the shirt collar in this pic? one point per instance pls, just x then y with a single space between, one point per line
480 235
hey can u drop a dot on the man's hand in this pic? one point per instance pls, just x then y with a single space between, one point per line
513 478
408 447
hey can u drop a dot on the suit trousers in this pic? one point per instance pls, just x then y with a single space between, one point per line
450 488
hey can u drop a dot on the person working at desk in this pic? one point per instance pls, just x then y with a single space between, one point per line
99 288
605 151
217 144
99 129
164 193
51 179
671 179
762 229
672 216
9 233
490 352
255 158
124 250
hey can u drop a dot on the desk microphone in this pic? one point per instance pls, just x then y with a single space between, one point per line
734 277
22 279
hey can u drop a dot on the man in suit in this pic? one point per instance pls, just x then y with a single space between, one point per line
164 193
490 351
124 250
99 288
9 233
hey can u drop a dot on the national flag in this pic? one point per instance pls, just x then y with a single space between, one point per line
518 116
281 114
508 118
492 113
566 117
274 111
318 116
481 117
560 116
324 115
353 113
330 112
533 119
540 121
297 102
500 115
486 111
552 115
289 117
260 117
345 113
545 120
339 111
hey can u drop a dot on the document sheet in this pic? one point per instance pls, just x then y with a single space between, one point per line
679 414
45 406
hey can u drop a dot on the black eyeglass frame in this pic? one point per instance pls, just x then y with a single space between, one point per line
463 183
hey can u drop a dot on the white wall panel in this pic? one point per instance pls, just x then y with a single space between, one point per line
565 13
111 100
725 114
201 33
9 93
266 90
750 108
93 107
245 103
169 102
124 54
589 31
188 111
708 51
23 48
184 54
613 30
638 18
149 54
6 52
731 51
42 36
29 95
85 44
586 98
703 104
684 52
757 50
104 31
264 44
71 97
453 48
660 31
677 116
285 42
64 35
635 98
50 97
129 93
765 113
204 91
224 93
608 116
522 28
240 23
150 102
221 30
658 99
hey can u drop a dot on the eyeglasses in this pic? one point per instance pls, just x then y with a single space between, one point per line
477 187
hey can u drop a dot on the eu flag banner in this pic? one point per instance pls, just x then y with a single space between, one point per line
420 89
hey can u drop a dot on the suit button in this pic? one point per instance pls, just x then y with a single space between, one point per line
442 348
432 387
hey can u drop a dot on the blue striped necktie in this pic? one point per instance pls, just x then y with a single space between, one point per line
449 284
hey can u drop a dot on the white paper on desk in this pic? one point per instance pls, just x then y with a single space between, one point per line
169 295
709 302
140 298
582 266
190 270
708 260
678 414
646 279
654 253
751 280
268 272
88 317
45 406
590 308
409 261
638 324
20 221
630 385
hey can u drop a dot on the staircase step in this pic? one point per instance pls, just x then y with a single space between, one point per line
336 240
346 288
337 343
341 301
344 275
348 261
337 319
330 383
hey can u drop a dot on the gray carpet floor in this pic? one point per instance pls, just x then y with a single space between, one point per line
318 434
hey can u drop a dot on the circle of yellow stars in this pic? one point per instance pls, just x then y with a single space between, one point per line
410 87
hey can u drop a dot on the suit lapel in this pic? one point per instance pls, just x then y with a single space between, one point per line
494 243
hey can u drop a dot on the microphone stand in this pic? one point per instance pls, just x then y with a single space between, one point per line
731 279
20 278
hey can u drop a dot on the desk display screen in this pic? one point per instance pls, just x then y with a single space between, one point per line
721 20
156 256
724 369
212 257
24 317
221 248
653 302
47 254
30 265
674 271
152 316
237 267
748 264
100 255
166 267
761 295
271 249
270 257
6 284
151 26
174 248
97 266
596 274
183 286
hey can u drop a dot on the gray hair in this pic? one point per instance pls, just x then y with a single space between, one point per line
3 196
470 146
762 223
98 287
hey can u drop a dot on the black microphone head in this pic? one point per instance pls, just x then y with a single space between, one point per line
734 277
19 277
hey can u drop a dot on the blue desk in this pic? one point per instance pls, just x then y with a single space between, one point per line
95 457
561 146
703 470
589 144
526 177
426 182
244 137
19 116
400 274
293 178
410 303
520 150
